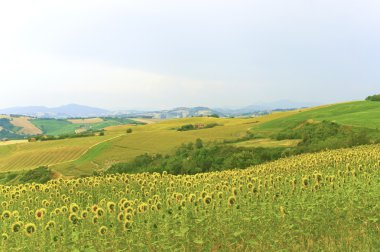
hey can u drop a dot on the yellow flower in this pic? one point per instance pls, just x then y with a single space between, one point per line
102 230
30 229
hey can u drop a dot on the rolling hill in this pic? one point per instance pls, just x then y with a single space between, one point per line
358 113
75 157
22 127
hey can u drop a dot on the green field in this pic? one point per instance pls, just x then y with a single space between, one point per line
360 114
61 126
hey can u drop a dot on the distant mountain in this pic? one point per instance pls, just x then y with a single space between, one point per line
181 112
268 106
71 110
74 110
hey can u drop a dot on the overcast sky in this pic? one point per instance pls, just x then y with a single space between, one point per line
160 54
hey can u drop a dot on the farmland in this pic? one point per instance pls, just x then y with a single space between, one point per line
63 126
76 157
326 201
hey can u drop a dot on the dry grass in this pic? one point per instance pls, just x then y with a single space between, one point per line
146 120
12 142
86 120
268 143
26 126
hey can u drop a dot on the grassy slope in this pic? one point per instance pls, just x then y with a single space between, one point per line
361 113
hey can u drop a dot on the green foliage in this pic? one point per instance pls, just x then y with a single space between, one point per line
327 135
6 124
66 136
188 127
9 135
39 175
9 130
196 157
129 131
215 116
373 98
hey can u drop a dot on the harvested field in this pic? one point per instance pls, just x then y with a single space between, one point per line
12 142
86 120
26 126
147 120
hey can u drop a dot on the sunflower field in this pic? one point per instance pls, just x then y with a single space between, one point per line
329 201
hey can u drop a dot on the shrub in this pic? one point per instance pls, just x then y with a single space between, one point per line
373 98
39 175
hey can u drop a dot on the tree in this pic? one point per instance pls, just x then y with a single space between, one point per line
373 98
198 143
129 131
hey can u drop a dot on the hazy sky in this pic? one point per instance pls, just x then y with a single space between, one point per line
167 53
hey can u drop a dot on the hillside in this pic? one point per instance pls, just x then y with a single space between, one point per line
75 157
359 113
22 127
315 202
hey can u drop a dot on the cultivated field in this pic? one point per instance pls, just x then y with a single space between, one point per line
74 157
26 126
86 120
314 202
24 156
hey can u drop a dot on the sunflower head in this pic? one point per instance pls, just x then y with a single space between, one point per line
16 227
102 230
30 229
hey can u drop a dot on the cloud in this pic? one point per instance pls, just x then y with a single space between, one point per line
134 54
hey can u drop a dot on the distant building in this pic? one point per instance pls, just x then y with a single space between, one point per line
199 125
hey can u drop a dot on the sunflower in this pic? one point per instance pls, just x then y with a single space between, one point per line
84 214
6 215
128 216
16 227
73 208
207 200
50 225
111 206
120 217
30 229
39 214
127 225
95 219
4 236
73 217
100 212
94 208
102 230
231 200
